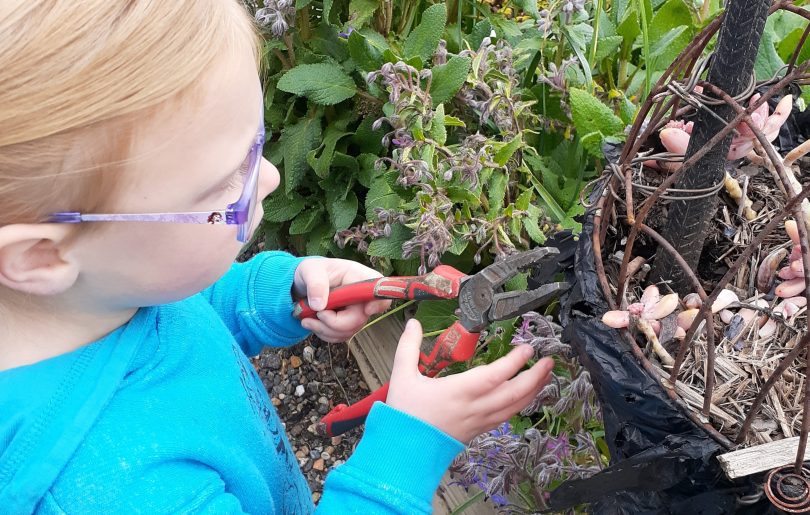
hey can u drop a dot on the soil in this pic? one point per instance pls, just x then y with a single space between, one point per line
304 382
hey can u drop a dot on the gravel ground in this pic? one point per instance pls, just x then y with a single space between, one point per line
305 382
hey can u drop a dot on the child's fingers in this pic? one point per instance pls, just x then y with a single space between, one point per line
521 389
324 332
348 319
316 279
406 359
489 377
377 306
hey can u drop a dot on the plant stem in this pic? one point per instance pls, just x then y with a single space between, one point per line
290 51
645 32
303 23
595 39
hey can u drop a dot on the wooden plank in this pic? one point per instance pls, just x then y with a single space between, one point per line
374 351
760 458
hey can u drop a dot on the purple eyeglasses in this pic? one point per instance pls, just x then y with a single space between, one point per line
239 213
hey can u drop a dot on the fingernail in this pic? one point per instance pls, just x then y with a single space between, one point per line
527 351
411 324
317 303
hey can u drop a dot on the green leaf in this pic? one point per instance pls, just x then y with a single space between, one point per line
305 222
480 30
578 37
390 247
465 196
517 282
368 141
438 131
367 57
448 79
524 200
592 116
300 4
296 141
528 6
630 27
424 39
789 44
322 163
497 192
380 195
768 61
507 150
368 169
607 47
665 49
342 211
673 14
323 83
532 226
319 240
361 11
452 121
279 207
327 10
436 315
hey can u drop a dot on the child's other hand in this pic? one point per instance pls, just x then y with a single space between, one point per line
315 277
467 404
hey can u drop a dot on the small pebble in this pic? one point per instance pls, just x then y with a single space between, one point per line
295 361
308 354
314 454
300 390
275 401
316 496
325 456
318 465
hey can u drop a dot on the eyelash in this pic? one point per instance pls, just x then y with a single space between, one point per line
237 179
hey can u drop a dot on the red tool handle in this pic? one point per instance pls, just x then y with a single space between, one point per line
444 282
453 345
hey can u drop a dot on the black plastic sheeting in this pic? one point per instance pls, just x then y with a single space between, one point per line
660 461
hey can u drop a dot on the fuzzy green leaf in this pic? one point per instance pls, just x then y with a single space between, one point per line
323 83
497 192
436 315
595 119
300 4
319 240
665 49
307 221
481 30
532 225
296 141
380 195
438 131
503 154
342 211
390 247
323 162
448 79
424 39
367 57
361 11
768 61
279 207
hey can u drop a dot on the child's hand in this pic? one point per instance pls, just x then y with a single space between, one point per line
315 277
467 404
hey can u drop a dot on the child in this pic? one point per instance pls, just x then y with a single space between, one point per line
124 379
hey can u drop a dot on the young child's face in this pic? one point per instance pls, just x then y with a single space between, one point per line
184 159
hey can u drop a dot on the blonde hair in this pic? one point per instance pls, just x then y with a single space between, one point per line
74 72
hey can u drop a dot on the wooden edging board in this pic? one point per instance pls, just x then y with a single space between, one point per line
374 350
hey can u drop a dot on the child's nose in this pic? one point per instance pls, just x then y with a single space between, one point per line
269 178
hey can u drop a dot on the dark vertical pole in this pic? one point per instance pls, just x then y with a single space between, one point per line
731 70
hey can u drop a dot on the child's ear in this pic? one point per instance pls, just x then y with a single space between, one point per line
33 258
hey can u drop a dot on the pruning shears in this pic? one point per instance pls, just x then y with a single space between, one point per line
481 302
